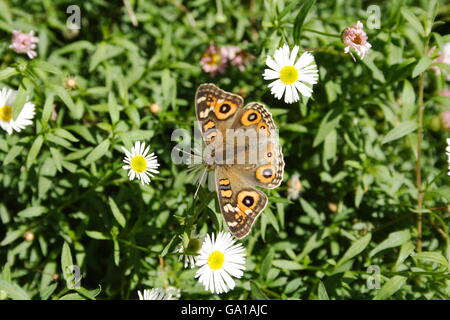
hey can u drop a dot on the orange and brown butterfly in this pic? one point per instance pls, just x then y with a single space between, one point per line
246 153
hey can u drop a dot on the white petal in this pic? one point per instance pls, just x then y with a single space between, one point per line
305 59
288 94
293 55
272 64
271 74
294 93
304 90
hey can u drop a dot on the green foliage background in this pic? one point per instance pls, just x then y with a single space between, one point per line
354 145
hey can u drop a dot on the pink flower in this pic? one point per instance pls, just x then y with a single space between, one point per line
214 60
444 57
355 37
445 93
238 57
24 43
445 119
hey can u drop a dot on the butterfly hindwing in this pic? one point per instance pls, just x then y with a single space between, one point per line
240 204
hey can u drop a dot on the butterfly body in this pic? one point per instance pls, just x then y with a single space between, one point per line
243 149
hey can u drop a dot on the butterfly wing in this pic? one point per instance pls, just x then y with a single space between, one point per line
264 163
215 109
239 202
252 127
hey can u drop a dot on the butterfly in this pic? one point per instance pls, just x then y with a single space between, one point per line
244 152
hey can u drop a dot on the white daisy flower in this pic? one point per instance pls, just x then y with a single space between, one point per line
189 254
7 123
219 260
155 294
291 75
139 164
447 151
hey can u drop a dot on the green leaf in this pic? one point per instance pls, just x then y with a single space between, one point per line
376 72
294 127
46 66
116 252
300 19
46 292
293 285
403 129
394 239
104 52
67 264
7 73
168 246
267 263
65 97
322 292
310 211
32 212
421 66
413 20
34 150
390 287
116 212
325 128
96 235
5 11
256 292
443 66
287 264
48 107
12 154
113 108
65 134
57 158
58 140
408 99
85 293
356 248
99 55
166 83
98 152
12 236
13 291
72 296
405 251
436 257
47 278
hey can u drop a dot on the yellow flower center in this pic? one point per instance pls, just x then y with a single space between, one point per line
6 113
214 58
216 260
138 164
288 74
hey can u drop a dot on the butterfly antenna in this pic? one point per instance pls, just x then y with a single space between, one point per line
200 181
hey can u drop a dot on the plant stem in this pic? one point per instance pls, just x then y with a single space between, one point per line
420 191
418 165
334 35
